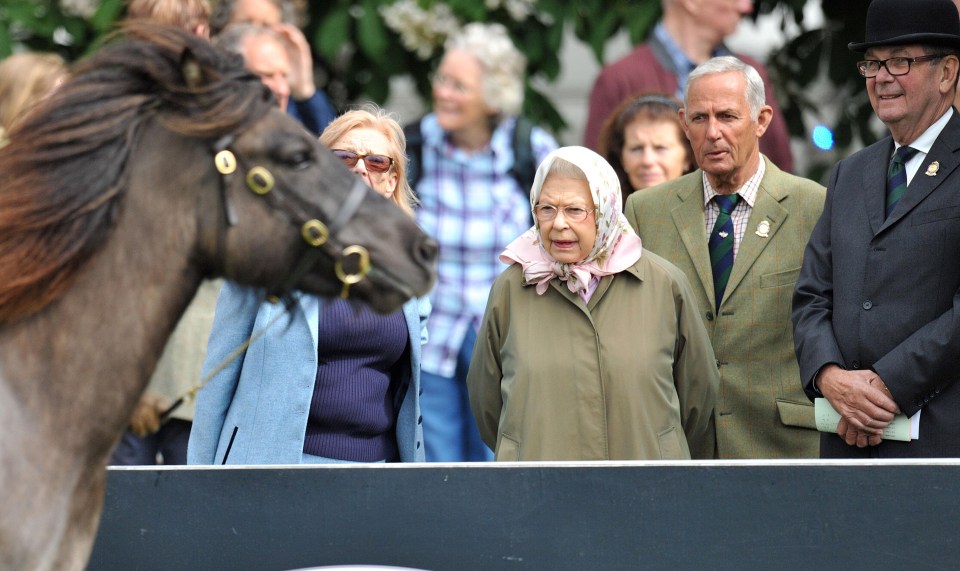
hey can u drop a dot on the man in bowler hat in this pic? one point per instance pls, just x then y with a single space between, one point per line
876 310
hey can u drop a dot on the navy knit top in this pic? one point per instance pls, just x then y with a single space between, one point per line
362 376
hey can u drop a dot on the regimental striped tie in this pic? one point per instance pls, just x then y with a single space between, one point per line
897 177
721 244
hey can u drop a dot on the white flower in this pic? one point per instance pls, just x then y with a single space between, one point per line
82 8
421 32
518 10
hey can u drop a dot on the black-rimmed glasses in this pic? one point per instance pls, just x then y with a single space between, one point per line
547 212
374 163
895 65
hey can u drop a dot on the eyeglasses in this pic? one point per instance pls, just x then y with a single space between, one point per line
894 65
374 163
547 212
458 87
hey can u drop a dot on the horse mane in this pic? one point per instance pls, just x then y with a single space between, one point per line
63 175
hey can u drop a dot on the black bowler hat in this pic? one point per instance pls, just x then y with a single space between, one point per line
899 22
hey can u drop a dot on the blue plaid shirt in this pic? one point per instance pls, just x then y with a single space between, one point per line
472 206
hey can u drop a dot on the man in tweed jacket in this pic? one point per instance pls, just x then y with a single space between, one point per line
762 411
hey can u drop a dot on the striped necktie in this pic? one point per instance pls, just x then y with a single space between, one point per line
721 244
897 177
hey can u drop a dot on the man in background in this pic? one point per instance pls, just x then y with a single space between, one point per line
306 103
690 33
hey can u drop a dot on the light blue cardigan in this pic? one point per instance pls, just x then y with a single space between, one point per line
265 393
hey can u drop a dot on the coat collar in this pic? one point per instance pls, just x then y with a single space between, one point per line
945 151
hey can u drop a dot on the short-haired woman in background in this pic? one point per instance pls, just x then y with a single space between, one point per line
644 142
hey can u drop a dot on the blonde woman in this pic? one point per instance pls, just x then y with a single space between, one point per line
339 383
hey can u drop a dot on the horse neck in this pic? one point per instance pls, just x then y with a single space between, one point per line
101 341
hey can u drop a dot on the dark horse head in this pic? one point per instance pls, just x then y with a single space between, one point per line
155 109
161 162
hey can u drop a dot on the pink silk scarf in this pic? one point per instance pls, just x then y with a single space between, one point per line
616 248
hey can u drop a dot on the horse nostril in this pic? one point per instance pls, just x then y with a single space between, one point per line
426 250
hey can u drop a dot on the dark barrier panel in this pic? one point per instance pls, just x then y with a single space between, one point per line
775 515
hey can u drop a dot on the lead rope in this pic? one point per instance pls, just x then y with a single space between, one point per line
191 394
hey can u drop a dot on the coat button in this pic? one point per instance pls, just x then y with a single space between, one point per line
867 304
420 420
856 364
709 316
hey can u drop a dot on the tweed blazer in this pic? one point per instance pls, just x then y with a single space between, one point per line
883 293
260 401
762 411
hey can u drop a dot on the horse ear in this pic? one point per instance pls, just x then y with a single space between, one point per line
191 69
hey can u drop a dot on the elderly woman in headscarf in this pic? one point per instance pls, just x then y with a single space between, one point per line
590 347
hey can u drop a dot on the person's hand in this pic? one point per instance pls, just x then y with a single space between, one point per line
301 62
146 417
854 437
861 398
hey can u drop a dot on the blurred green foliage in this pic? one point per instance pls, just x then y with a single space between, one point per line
360 48
70 28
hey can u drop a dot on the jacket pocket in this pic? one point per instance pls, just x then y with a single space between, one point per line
928 216
508 449
670 447
797 414
778 279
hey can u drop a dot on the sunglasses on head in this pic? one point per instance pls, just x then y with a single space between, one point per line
374 163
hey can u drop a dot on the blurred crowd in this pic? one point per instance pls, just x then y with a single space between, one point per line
668 290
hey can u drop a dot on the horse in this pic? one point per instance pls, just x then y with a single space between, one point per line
161 162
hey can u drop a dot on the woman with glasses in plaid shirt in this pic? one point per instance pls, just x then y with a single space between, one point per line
472 206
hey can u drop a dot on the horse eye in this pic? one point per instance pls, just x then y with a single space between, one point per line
300 160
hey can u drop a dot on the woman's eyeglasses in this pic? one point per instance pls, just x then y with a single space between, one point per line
547 212
374 163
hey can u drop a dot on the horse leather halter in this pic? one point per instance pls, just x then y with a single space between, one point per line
319 236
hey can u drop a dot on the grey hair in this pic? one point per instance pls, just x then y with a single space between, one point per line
756 97
503 64
562 168
222 14
235 36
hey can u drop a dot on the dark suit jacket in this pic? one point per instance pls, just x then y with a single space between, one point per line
885 294
761 409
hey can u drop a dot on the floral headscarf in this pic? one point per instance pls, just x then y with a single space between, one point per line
616 248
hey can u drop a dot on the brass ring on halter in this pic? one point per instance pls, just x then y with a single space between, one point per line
315 232
225 162
363 265
260 180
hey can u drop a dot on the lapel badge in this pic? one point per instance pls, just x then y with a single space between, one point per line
763 229
932 168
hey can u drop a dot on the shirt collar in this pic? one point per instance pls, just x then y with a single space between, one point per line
681 63
925 141
748 192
